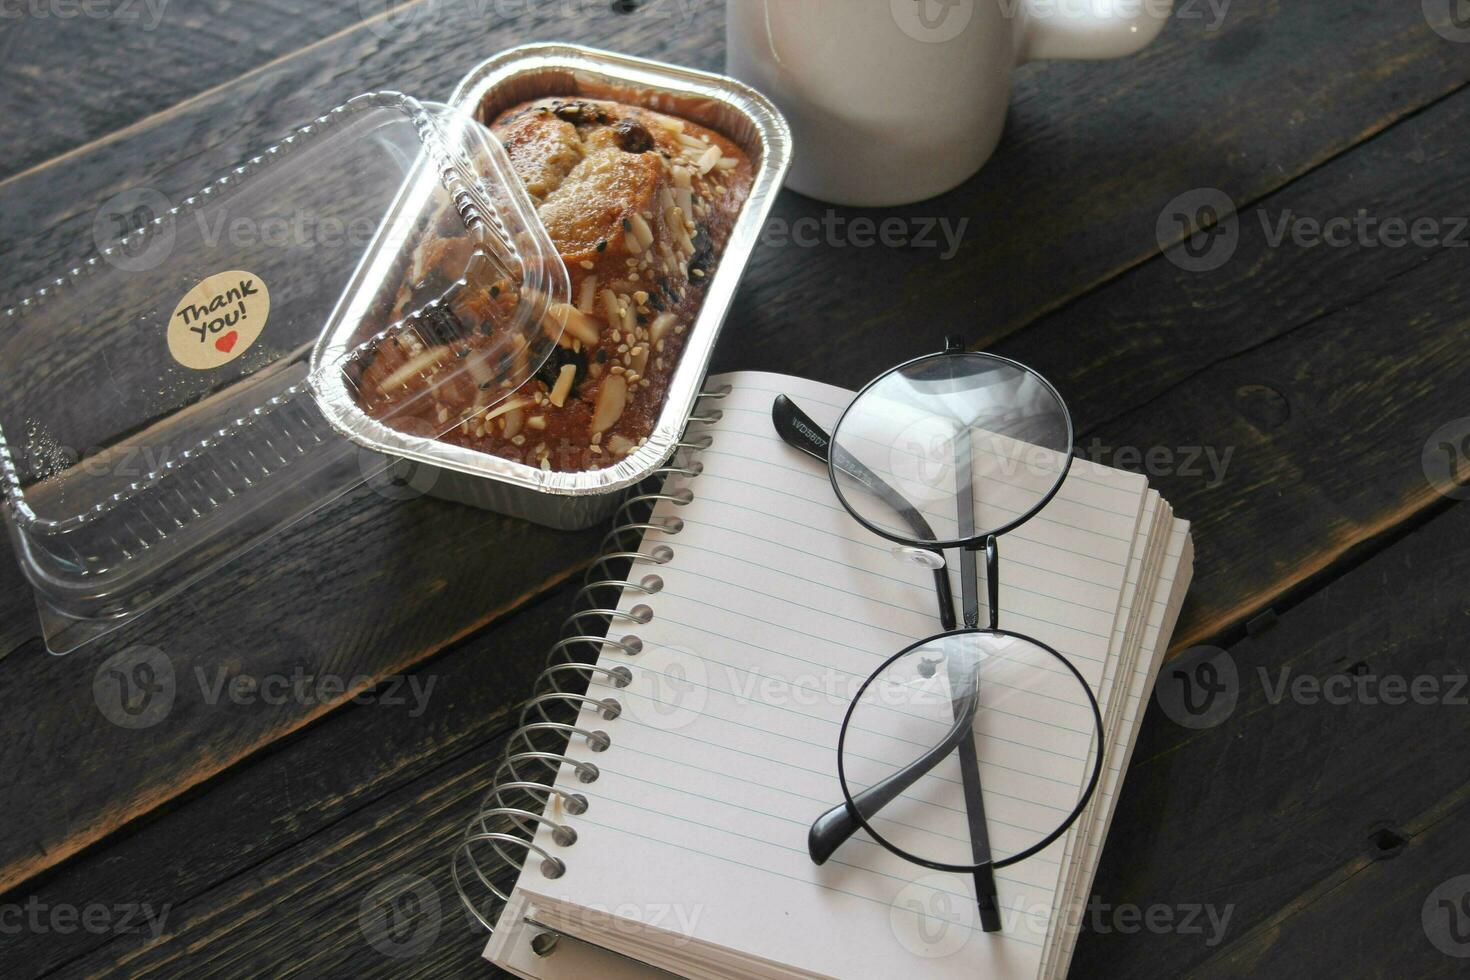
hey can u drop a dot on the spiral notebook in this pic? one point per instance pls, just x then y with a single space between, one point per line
753 597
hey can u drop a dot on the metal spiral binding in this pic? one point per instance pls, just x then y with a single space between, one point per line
523 796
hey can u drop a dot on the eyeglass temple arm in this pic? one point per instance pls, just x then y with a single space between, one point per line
799 431
986 899
830 830
833 828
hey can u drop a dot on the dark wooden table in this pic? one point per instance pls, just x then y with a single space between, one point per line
1325 374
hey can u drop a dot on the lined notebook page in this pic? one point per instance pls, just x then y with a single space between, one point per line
774 607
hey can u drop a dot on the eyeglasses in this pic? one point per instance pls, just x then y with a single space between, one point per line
975 748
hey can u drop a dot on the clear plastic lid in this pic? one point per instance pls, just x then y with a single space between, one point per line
171 402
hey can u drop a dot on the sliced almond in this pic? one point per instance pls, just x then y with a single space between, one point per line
610 311
708 160
566 317
514 419
587 295
563 386
418 364
611 401
478 365
536 421
620 445
504 408
660 327
641 229
681 234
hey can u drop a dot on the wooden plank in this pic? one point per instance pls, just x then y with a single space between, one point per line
1290 392
1072 198
288 607
1402 905
299 912
286 798
1289 812
1044 224
72 73
46 222
422 577
1223 815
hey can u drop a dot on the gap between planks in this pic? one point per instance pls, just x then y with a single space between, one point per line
163 115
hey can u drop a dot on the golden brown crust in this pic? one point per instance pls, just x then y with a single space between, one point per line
639 205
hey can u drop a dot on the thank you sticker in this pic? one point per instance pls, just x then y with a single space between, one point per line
218 320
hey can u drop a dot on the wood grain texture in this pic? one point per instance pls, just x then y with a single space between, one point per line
1291 811
76 72
1201 108
1220 816
285 799
362 591
1284 398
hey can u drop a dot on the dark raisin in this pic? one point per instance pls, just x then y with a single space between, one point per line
579 113
632 137
560 356
438 325
703 258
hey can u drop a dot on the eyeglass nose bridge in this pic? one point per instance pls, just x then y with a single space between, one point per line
992 579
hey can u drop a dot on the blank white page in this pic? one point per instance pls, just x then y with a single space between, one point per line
775 605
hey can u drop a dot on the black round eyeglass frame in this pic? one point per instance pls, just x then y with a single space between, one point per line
1034 849
837 824
952 349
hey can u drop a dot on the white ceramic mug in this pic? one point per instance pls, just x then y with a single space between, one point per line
893 101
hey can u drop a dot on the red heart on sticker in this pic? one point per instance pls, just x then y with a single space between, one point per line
227 342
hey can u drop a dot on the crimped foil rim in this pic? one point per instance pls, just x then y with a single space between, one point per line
774 139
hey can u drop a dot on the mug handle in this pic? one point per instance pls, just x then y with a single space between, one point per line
1089 29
